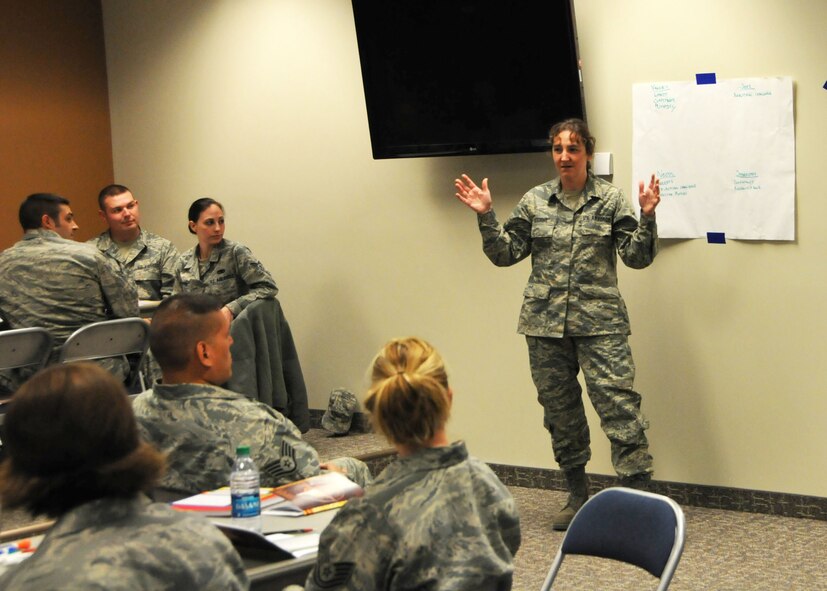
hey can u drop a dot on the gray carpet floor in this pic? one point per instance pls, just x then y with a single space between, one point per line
725 550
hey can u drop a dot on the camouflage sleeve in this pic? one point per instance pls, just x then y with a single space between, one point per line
257 280
119 290
508 522
169 264
354 551
507 244
177 285
283 455
636 241
492 493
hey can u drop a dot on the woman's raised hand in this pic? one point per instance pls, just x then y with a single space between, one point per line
477 198
649 197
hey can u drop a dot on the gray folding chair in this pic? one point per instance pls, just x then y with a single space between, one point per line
111 338
23 347
632 526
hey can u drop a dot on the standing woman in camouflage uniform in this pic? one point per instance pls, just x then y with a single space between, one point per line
219 267
573 315
436 518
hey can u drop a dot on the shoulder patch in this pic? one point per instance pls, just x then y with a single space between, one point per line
286 464
332 575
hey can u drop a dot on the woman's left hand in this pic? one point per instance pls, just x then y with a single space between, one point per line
332 468
649 197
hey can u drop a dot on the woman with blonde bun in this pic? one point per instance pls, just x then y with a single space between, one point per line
436 518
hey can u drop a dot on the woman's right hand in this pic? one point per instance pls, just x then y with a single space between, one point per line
477 198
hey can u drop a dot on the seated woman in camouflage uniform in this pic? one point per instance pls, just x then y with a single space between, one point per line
73 453
219 267
434 519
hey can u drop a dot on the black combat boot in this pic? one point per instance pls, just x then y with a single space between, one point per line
637 481
578 486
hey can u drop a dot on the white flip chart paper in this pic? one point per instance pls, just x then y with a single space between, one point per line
725 154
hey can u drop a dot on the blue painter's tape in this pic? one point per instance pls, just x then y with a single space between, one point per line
708 78
716 238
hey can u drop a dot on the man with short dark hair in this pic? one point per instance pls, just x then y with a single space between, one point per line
149 259
198 424
58 284
49 211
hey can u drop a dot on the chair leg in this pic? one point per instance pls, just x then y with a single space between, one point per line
552 572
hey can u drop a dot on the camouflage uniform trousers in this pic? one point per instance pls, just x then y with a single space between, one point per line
609 373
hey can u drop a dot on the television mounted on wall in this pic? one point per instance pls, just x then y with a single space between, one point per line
460 77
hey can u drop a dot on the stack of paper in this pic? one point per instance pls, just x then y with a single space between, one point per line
218 503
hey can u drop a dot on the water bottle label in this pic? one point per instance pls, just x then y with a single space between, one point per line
248 505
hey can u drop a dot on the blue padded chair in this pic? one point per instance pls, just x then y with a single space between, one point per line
632 526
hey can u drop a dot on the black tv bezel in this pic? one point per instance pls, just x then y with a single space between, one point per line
382 150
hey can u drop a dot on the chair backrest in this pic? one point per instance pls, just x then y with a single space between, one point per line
24 347
109 338
632 526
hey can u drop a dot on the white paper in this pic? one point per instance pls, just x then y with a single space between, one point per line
297 544
725 154
221 499
205 500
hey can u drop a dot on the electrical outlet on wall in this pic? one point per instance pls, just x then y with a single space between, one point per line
602 163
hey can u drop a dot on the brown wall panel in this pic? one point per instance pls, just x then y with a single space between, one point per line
55 131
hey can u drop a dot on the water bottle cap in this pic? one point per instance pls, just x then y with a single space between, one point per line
242 450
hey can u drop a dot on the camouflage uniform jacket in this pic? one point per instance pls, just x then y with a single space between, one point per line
437 519
199 426
151 262
233 275
61 285
572 289
129 544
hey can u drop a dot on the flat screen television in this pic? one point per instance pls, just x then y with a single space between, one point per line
459 77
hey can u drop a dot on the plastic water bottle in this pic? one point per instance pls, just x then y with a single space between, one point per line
244 490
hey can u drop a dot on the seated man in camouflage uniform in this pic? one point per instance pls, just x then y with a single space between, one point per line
199 424
148 259
48 280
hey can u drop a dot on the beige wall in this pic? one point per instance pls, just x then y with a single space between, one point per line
259 103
